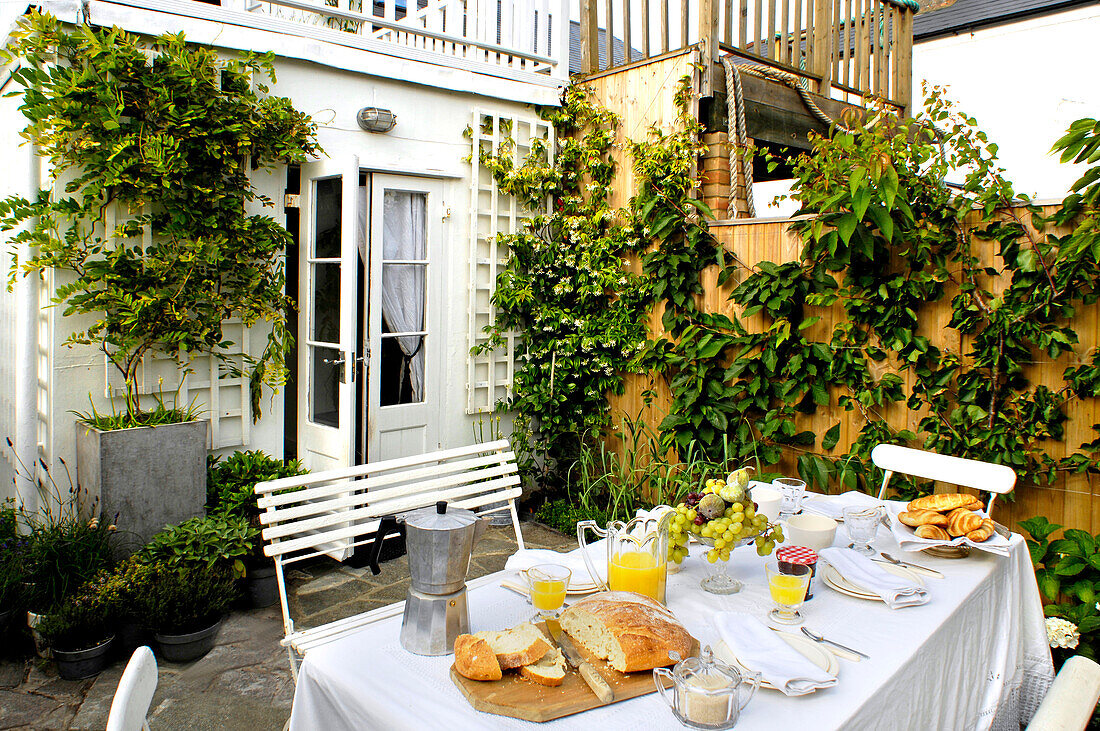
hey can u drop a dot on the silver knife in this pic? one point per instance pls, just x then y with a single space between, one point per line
595 681
913 566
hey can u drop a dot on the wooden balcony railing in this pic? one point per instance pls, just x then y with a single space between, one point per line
858 47
526 40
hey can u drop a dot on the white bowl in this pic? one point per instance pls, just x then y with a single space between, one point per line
767 501
810 530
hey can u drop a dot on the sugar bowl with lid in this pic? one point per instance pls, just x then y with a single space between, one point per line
705 693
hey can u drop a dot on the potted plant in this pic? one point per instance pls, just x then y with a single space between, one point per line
216 540
153 252
184 607
230 490
79 632
12 573
120 589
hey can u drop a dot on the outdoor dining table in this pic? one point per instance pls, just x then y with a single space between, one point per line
974 657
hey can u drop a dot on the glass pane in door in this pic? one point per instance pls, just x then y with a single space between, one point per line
404 297
325 361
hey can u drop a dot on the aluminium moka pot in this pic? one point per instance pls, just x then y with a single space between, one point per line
439 541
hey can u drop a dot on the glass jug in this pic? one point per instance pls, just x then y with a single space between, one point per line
637 554
705 693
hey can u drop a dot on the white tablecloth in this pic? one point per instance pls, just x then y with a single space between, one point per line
974 657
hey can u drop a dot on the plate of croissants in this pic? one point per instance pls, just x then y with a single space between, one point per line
948 520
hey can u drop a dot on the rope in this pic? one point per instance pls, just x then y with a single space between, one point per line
741 162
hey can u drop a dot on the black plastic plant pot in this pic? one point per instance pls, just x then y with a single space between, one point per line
80 664
188 647
261 587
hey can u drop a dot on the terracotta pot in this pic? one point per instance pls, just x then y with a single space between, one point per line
80 664
188 647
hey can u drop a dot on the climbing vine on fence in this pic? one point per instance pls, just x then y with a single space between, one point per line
565 288
886 239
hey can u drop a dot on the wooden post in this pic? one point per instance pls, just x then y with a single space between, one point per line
824 38
904 49
708 43
590 37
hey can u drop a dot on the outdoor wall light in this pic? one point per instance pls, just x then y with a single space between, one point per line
373 119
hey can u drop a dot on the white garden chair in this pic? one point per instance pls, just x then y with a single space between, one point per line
996 479
1069 703
130 707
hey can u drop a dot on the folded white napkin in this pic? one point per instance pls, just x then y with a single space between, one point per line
908 539
895 590
763 651
832 506
525 558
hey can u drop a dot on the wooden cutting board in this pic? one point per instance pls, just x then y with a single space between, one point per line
518 697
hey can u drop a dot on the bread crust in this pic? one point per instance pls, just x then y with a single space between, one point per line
645 630
474 659
983 532
943 503
535 672
915 518
961 521
933 531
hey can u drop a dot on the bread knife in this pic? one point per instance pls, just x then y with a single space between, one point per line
595 681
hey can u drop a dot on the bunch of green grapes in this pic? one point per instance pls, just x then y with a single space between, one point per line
719 523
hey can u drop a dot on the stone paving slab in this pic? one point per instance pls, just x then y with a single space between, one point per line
244 683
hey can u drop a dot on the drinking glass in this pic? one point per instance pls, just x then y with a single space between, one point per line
788 589
548 584
791 491
862 525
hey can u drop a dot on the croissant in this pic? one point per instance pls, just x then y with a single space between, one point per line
961 521
922 517
944 503
983 532
976 505
933 531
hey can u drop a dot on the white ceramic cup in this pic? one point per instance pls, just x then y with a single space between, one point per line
767 501
810 530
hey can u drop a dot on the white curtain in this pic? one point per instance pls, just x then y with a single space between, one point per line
403 237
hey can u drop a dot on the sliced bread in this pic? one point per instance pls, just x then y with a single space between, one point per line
518 646
549 670
475 659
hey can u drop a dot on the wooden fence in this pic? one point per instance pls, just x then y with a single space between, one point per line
860 47
1071 501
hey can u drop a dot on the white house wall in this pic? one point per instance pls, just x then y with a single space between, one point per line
1024 83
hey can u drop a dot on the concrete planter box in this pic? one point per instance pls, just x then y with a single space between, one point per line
150 476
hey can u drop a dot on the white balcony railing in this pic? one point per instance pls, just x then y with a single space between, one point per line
510 38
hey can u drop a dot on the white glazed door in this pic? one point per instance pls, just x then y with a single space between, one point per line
327 287
405 296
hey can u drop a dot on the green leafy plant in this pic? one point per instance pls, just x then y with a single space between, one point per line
1068 572
187 597
159 415
78 623
565 288
150 232
230 483
219 540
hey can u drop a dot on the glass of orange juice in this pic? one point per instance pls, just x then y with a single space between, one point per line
548 584
788 590
638 571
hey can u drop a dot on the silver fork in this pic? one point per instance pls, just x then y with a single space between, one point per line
819 638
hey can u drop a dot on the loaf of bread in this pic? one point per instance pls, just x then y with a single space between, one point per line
934 532
961 521
943 503
475 659
915 518
549 670
983 532
631 631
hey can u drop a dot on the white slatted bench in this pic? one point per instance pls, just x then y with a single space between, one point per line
329 513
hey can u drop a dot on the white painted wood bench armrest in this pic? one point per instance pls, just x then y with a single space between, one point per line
1072 697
